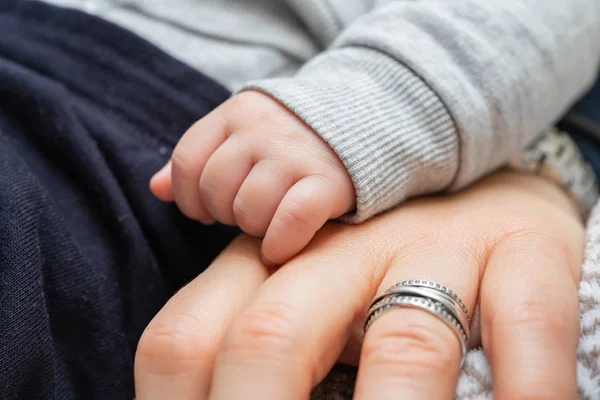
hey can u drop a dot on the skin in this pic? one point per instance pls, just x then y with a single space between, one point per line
243 331
253 163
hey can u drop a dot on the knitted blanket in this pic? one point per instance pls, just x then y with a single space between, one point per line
475 381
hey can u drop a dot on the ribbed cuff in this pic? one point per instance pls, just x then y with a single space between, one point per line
390 130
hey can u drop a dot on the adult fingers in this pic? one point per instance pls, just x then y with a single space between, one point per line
293 331
409 353
176 353
189 159
530 314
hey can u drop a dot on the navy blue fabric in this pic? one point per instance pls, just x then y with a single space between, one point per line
589 105
589 142
88 112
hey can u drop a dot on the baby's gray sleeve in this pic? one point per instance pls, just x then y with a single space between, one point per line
421 97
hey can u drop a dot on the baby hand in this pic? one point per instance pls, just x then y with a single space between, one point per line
253 163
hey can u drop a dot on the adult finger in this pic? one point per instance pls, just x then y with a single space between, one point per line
176 353
530 313
291 334
409 353
189 159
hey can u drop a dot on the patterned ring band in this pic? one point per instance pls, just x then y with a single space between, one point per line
428 296
428 305
451 306
437 286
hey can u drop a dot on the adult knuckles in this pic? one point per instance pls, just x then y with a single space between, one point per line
411 350
515 224
539 392
265 331
532 315
531 236
529 222
173 345
426 237
525 239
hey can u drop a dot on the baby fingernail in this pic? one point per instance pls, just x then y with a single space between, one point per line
207 221
266 262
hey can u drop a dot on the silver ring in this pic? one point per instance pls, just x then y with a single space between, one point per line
428 296
437 286
426 292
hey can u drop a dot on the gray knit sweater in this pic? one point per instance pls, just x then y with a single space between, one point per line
422 96
415 96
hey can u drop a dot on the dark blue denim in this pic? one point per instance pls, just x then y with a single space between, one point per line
88 112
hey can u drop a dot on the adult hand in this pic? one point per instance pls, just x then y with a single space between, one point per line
513 242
